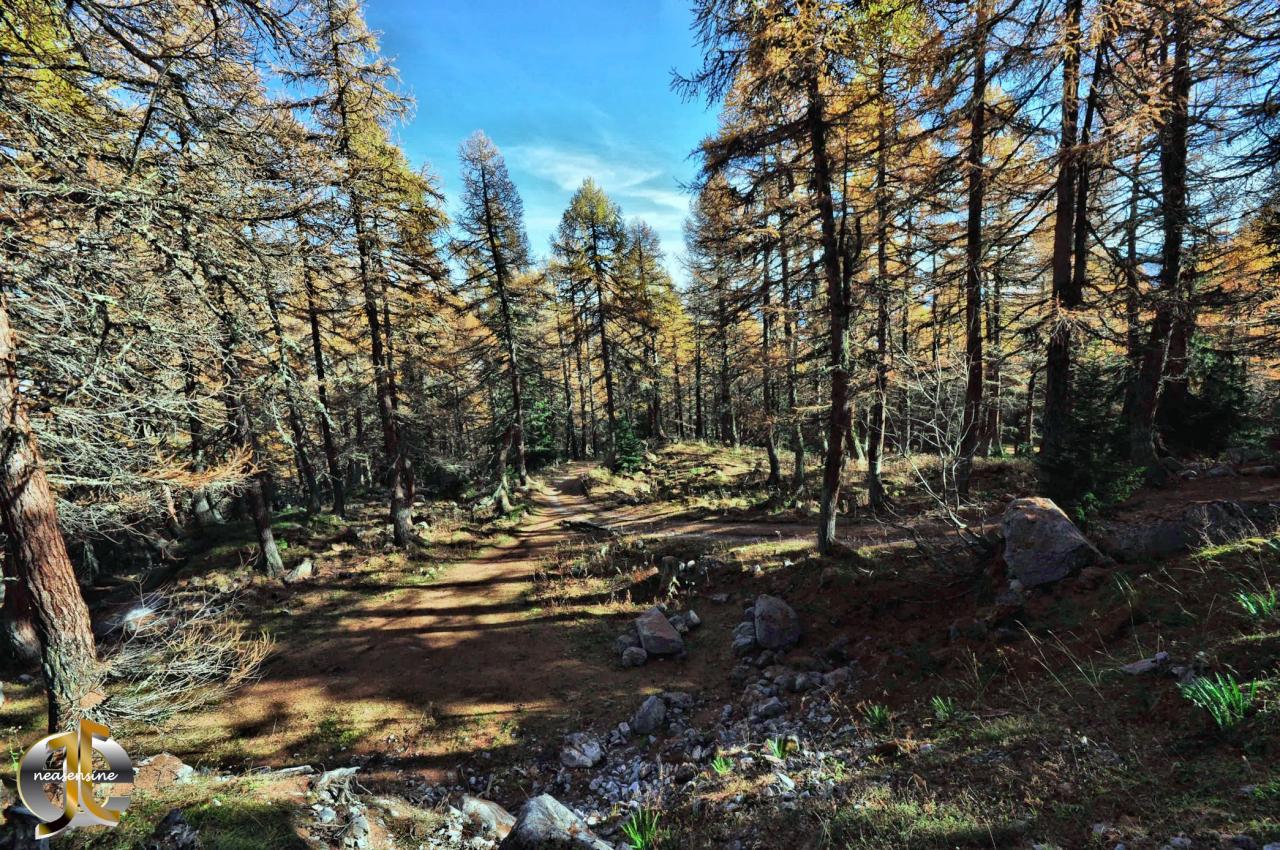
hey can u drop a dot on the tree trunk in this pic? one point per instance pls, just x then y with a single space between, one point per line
1173 186
1029 416
679 391
1055 454
699 422
838 309
587 417
257 487
401 511
502 458
789 332
501 281
332 462
973 259
993 429
728 432
875 437
606 362
301 458
37 552
657 427
570 437
766 336
1132 292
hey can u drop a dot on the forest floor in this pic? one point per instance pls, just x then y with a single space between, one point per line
464 665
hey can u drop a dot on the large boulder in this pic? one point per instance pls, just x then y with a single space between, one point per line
1041 545
657 635
545 824
777 626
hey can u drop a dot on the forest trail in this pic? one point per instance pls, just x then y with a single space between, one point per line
422 674
466 662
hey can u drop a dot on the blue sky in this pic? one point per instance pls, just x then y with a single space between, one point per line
566 89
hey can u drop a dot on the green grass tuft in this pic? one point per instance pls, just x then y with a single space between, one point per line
641 829
1226 701
1259 605
877 716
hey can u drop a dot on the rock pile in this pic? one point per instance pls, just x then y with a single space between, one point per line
655 633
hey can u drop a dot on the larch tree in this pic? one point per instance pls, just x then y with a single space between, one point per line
493 249
589 248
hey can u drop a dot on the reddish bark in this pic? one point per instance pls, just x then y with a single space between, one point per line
37 551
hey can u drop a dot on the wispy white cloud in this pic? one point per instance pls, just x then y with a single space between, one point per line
567 168
643 188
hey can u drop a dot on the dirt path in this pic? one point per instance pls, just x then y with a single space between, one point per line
425 674
420 675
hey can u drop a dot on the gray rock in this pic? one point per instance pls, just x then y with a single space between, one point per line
1147 665
488 816
581 750
173 833
657 635
686 621
545 824
1041 545
806 682
776 623
837 678
357 832
302 572
627 640
771 707
634 656
649 717
678 699
326 814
